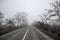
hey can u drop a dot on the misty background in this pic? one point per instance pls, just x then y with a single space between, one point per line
43 15
32 7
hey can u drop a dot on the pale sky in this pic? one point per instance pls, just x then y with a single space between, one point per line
32 7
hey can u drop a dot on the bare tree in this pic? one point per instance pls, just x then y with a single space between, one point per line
1 18
21 18
56 8
10 23
44 18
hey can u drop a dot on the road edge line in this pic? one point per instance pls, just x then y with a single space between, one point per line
42 33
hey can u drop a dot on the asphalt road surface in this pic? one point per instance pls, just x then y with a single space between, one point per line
25 33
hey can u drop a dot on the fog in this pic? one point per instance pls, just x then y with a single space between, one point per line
32 7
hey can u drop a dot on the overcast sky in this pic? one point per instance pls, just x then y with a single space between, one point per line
32 7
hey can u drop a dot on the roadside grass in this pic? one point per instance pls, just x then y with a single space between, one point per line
7 30
48 33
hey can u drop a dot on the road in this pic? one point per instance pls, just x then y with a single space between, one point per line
26 33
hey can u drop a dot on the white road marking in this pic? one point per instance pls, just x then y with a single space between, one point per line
43 34
25 34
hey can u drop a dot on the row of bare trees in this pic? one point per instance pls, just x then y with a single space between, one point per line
54 12
19 19
1 18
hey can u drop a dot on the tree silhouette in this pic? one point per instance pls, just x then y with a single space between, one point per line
21 18
1 18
